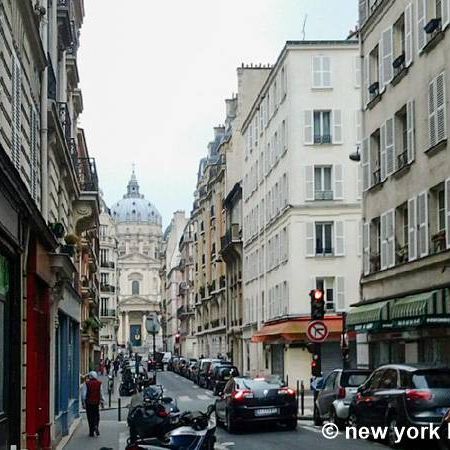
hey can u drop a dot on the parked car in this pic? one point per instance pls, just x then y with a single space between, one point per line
180 365
211 369
187 368
166 359
173 362
203 370
193 373
250 400
336 393
220 376
399 395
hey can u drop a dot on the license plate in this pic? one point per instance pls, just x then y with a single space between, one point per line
266 412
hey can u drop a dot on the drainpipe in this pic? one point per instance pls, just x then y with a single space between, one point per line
44 121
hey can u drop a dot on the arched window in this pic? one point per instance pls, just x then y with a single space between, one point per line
135 287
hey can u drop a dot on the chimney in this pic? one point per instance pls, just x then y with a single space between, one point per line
219 131
231 107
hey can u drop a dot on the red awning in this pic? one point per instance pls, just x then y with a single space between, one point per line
294 330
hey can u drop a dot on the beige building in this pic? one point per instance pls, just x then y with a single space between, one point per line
404 309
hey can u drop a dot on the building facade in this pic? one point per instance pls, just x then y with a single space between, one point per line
301 206
108 284
404 308
139 236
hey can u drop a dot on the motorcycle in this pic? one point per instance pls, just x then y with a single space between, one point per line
151 414
195 431
128 385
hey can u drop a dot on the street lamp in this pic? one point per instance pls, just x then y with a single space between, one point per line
355 156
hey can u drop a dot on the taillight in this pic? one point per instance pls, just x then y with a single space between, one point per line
242 394
162 413
416 394
341 393
287 391
358 397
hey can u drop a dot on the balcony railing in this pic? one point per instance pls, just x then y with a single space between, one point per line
184 310
375 262
232 236
321 251
323 195
107 264
64 118
222 281
51 80
215 323
402 160
108 313
322 139
438 240
87 174
107 288
376 177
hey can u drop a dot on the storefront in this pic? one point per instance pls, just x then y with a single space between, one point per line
412 329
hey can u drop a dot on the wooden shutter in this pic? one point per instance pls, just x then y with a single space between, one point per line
384 242
309 180
441 108
408 35
390 147
447 210
445 5
310 239
422 224
337 126
359 180
388 70
365 162
366 248
340 293
338 181
412 229
383 151
410 131
421 22
326 71
34 153
308 129
317 71
339 238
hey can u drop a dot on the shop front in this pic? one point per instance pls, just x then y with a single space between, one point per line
412 329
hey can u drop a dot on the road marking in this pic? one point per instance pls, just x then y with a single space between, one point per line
122 440
312 428
184 398
203 397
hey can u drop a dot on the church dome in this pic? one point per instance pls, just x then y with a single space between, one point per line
133 207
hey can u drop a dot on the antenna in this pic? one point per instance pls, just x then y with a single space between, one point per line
304 26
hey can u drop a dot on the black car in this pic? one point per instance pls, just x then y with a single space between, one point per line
399 395
212 368
221 375
203 370
252 400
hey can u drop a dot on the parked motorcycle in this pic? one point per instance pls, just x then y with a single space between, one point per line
195 431
128 385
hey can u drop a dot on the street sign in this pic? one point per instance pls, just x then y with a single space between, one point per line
317 331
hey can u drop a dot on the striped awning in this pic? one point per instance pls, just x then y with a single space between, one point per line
366 316
412 306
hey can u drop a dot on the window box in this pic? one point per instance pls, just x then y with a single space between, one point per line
435 34
400 69
433 26
374 94
322 139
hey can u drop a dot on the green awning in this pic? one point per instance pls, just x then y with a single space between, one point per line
412 306
366 316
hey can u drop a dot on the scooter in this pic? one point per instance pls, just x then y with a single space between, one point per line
196 431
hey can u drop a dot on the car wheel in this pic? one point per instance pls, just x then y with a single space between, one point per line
230 423
392 424
317 419
335 419
291 424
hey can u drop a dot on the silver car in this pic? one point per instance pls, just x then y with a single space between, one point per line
336 393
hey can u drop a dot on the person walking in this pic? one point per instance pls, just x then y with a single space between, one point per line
92 398
116 365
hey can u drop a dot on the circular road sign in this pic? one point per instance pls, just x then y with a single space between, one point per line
317 331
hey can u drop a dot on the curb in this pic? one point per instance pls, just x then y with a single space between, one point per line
65 440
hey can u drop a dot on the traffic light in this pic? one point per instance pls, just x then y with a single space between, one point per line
316 365
317 304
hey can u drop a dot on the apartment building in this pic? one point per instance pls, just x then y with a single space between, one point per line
301 205
403 314
108 284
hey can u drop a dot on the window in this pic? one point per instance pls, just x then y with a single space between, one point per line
321 73
401 233
375 157
437 111
135 286
104 278
322 132
103 231
322 183
104 306
324 238
103 255
327 285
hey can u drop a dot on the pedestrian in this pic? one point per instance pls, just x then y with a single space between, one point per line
107 365
116 365
92 398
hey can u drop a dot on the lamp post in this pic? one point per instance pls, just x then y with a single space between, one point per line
153 326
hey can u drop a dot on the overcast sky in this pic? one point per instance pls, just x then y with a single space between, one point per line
155 75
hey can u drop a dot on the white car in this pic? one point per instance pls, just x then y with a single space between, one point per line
166 357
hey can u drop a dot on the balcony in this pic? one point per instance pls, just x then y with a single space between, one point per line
109 313
438 242
324 251
184 311
222 282
215 323
232 237
65 37
66 122
323 195
107 264
322 139
87 175
107 288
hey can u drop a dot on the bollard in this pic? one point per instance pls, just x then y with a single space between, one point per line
109 398
287 380
119 411
297 393
302 397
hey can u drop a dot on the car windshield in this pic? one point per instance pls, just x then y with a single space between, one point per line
258 384
353 379
431 379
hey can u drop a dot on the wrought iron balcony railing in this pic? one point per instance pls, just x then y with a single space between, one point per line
87 175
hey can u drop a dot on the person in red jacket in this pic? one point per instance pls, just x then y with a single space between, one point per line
92 398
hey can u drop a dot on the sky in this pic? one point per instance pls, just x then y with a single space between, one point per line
155 76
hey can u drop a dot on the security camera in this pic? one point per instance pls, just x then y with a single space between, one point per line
39 10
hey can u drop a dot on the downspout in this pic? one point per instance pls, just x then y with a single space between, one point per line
44 120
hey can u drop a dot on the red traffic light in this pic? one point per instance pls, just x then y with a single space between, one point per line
318 294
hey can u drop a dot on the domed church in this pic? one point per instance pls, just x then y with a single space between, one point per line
139 235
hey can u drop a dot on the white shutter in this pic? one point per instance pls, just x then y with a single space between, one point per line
316 71
441 108
422 224
326 71
366 95
16 111
365 163
357 70
412 229
408 35
432 113
309 180
390 237
390 147
337 126
410 131
338 181
384 242
366 248
308 136
34 155
381 67
360 225
383 152
421 11
447 210
359 180
445 4
339 238
358 123
310 239
388 70
340 293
